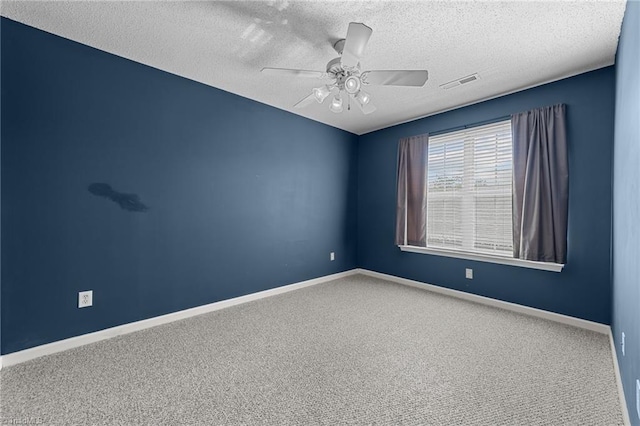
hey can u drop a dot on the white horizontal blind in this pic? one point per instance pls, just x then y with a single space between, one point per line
469 190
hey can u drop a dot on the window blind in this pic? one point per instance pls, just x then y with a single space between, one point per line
469 189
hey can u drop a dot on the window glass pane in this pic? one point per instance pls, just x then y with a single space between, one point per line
469 190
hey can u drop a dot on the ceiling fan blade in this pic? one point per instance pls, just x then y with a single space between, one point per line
366 109
285 72
306 101
357 37
395 78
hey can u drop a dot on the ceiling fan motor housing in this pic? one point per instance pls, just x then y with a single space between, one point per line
347 80
334 66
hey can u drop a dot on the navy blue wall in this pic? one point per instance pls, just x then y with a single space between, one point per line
583 288
626 207
242 197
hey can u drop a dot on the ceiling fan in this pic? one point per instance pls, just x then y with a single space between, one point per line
345 75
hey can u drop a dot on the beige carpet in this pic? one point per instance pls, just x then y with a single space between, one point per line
354 351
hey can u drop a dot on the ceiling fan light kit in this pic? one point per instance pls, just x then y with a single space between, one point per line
352 85
321 93
363 98
336 104
344 72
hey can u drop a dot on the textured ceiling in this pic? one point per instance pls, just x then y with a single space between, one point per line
511 45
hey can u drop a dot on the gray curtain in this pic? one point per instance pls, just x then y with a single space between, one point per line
411 206
540 185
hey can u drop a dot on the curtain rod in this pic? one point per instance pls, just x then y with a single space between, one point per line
468 126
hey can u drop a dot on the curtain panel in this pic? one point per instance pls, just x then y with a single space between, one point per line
411 205
540 185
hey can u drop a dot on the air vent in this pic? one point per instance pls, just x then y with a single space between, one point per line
460 81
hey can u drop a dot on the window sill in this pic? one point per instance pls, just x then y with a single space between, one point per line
545 266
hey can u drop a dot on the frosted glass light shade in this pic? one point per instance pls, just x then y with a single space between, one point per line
352 84
321 93
363 98
336 104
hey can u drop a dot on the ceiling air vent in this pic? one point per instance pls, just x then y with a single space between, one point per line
460 81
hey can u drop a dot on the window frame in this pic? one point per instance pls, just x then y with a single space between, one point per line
479 255
502 260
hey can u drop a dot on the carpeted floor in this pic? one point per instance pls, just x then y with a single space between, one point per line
353 351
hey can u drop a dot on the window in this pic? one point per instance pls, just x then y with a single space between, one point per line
494 193
469 189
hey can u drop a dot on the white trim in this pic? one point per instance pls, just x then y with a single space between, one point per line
623 402
544 266
74 342
552 316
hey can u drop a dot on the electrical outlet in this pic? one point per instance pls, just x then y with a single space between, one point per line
468 273
85 299
622 343
332 256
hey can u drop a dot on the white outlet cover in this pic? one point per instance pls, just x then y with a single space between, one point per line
468 273
622 344
85 299
332 256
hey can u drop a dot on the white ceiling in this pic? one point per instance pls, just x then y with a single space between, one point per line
512 45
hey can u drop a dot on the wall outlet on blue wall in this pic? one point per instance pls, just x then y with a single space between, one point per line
468 273
332 256
85 299
622 343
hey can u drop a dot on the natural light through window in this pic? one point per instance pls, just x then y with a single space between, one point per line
469 190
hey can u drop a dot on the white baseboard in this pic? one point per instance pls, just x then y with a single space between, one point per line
623 402
85 339
73 342
564 319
